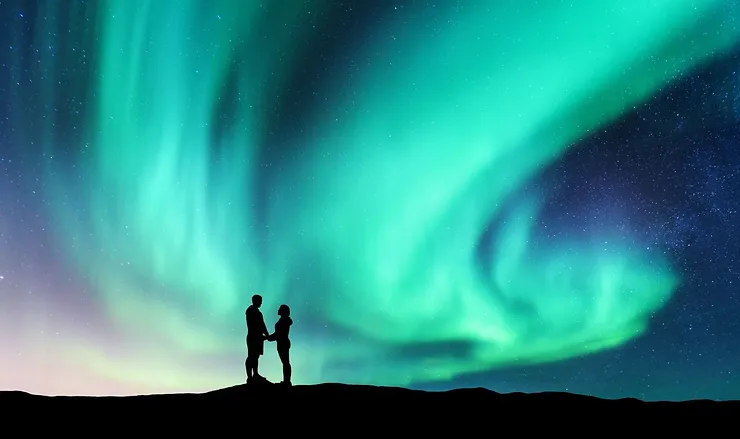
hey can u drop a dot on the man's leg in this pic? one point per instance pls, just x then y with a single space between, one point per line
256 365
248 366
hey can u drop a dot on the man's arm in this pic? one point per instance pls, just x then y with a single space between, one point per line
264 327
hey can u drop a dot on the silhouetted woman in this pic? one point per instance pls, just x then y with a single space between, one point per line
281 336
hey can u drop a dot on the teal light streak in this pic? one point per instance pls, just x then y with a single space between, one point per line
374 228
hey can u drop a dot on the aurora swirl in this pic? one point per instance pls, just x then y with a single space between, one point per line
395 226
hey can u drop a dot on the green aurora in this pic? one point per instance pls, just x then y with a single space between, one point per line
371 232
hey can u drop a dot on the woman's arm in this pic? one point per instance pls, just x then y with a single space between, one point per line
279 331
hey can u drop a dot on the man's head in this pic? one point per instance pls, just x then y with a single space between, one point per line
257 300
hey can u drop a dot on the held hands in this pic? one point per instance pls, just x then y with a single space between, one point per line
270 337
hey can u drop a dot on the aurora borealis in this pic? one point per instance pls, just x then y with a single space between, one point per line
394 171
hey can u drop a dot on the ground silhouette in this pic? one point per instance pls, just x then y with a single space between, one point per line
356 410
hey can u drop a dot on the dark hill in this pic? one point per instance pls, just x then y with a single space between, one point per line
338 407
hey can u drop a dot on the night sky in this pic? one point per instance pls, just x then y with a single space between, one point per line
519 195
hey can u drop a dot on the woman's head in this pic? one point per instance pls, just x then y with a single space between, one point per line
284 311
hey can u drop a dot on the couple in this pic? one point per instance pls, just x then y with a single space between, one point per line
257 334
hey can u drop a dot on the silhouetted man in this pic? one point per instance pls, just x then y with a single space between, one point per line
256 335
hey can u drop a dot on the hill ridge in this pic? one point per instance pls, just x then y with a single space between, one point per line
364 390
335 408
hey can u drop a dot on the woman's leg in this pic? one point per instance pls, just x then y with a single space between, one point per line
284 355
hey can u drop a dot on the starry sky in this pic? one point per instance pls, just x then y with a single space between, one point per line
519 195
